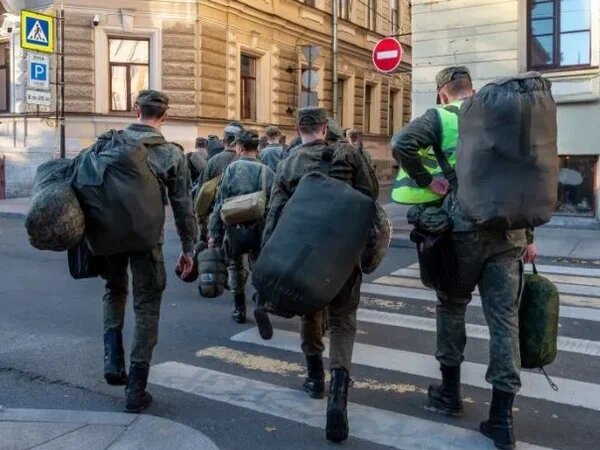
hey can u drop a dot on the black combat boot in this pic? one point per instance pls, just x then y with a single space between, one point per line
239 312
337 417
314 383
137 397
446 397
499 427
265 327
114 358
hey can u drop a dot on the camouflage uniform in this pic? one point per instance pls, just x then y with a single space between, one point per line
147 268
491 260
218 163
271 155
349 166
243 176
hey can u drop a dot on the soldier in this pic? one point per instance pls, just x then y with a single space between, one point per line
244 176
197 163
350 167
353 137
273 152
147 268
492 260
218 163
214 146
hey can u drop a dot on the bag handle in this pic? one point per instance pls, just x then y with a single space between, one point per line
535 272
263 175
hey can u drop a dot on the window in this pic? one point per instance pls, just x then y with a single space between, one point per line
372 15
576 188
5 77
340 101
343 9
395 114
248 87
129 71
309 3
367 110
395 17
559 33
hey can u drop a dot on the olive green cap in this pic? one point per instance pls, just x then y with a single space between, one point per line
334 132
150 97
352 133
312 116
449 74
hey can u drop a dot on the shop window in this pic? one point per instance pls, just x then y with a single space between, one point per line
576 188
129 71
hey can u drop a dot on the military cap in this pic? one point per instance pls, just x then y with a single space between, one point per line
201 142
352 133
272 131
248 138
233 129
312 116
334 132
449 74
150 97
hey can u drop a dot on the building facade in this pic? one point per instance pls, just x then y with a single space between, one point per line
218 60
560 38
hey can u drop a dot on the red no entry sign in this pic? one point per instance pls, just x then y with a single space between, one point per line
387 54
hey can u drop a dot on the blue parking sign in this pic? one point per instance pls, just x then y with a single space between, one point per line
37 32
38 70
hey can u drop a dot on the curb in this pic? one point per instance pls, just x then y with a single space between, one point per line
12 215
401 240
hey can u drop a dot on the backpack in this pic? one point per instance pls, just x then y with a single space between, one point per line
121 196
205 198
507 152
246 208
308 258
538 321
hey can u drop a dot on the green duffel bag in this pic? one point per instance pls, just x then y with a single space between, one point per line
538 321
205 198
213 272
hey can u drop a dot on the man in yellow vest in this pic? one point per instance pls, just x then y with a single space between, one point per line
490 259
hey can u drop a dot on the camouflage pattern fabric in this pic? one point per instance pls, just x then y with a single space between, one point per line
271 155
218 163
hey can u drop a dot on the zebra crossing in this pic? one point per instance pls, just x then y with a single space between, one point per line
394 363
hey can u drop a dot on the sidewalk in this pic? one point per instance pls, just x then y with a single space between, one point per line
76 430
556 240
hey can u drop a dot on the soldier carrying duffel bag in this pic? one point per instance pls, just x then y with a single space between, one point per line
321 209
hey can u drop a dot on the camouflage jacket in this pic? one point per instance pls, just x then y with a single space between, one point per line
169 163
271 155
241 177
217 164
349 165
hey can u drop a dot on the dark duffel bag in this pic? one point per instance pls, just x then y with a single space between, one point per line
538 321
437 261
82 263
242 239
213 272
315 246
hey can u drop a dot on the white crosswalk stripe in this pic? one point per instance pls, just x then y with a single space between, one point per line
580 300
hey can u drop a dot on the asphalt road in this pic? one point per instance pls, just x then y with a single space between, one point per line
243 393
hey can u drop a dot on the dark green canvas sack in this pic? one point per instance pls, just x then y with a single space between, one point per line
538 321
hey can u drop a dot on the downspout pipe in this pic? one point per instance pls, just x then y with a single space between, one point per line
334 55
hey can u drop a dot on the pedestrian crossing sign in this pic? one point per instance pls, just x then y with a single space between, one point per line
37 32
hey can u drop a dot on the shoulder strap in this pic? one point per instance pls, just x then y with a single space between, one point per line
327 159
263 177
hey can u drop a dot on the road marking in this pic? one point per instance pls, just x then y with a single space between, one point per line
565 344
368 423
566 312
568 279
562 288
557 270
572 392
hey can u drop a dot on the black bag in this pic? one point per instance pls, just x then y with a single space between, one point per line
315 246
437 261
507 152
82 263
120 195
213 272
538 321
242 239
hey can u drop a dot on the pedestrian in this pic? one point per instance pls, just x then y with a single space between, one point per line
350 167
273 152
242 241
147 268
489 259
219 162
214 146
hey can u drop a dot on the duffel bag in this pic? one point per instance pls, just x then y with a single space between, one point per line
213 272
538 321
309 257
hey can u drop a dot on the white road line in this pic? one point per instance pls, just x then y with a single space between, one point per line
572 392
567 312
557 270
562 287
568 279
565 344
367 423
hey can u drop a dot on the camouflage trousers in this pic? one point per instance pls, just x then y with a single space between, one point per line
149 281
340 316
238 269
491 260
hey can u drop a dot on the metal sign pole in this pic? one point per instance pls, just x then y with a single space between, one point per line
62 82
